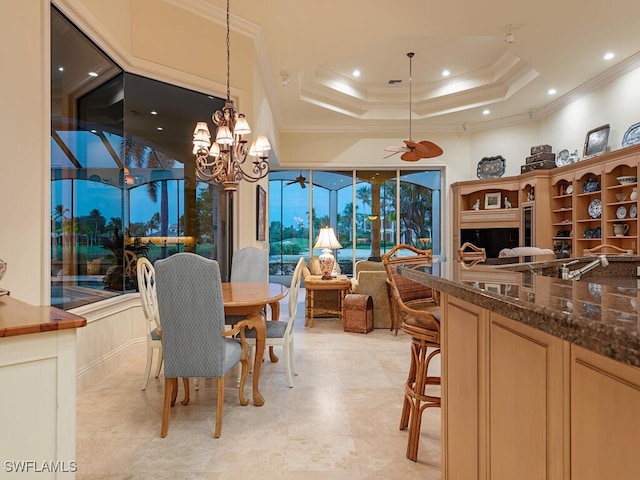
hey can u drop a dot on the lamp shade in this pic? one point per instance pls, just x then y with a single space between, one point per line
327 239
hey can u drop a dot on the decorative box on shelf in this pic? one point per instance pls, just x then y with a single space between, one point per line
541 165
542 157
540 149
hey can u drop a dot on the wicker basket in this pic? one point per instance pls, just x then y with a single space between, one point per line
358 313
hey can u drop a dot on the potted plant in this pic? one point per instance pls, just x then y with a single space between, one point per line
122 274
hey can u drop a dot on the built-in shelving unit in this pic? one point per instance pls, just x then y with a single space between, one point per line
569 209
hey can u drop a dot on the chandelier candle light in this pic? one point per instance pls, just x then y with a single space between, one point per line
222 160
327 241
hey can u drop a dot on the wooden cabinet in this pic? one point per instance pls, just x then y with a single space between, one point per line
574 207
521 403
605 417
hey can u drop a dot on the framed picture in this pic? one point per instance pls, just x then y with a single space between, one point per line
261 213
492 200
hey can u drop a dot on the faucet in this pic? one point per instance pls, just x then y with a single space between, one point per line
566 274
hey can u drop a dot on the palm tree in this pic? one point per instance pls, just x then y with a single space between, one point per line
153 223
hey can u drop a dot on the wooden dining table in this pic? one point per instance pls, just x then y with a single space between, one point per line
250 300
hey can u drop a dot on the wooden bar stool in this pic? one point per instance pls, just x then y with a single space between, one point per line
416 397
419 318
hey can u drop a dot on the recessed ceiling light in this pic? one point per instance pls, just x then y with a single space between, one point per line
153 112
61 69
608 55
552 91
93 74
446 73
356 73
160 129
486 112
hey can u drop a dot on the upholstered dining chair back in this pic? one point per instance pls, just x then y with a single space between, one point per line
250 264
147 287
190 304
195 342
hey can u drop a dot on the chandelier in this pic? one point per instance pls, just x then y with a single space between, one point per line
223 160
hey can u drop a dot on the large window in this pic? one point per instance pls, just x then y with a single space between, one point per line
122 170
371 211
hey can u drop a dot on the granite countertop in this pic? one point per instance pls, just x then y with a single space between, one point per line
19 318
598 312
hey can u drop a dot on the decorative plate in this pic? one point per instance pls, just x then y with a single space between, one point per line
595 208
569 189
631 136
563 158
597 232
591 185
633 211
596 141
491 167
621 212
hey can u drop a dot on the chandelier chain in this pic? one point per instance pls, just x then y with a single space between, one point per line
228 54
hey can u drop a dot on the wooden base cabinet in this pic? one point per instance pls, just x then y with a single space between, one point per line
605 418
521 403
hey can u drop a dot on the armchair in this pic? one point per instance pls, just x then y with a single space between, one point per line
370 279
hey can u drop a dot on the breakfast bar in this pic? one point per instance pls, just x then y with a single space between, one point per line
540 374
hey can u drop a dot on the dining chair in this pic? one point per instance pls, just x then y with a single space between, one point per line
195 342
250 264
147 286
281 332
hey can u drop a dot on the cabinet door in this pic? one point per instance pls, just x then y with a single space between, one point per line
463 424
526 412
605 418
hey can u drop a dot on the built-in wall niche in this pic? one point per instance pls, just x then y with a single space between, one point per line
491 239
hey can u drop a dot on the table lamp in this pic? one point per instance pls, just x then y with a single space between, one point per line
327 241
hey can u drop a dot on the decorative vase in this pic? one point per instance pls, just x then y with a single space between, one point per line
634 194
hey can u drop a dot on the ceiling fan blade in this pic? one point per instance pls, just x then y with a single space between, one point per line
390 155
427 149
395 148
411 156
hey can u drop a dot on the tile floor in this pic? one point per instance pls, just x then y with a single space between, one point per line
339 421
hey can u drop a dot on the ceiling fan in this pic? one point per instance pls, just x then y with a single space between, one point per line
413 151
299 179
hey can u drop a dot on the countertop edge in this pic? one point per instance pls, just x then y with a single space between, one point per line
19 318
607 340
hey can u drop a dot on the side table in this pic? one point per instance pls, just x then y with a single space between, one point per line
314 283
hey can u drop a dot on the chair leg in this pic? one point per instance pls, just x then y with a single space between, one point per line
286 357
147 368
160 361
170 391
416 399
219 407
244 373
292 357
185 382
